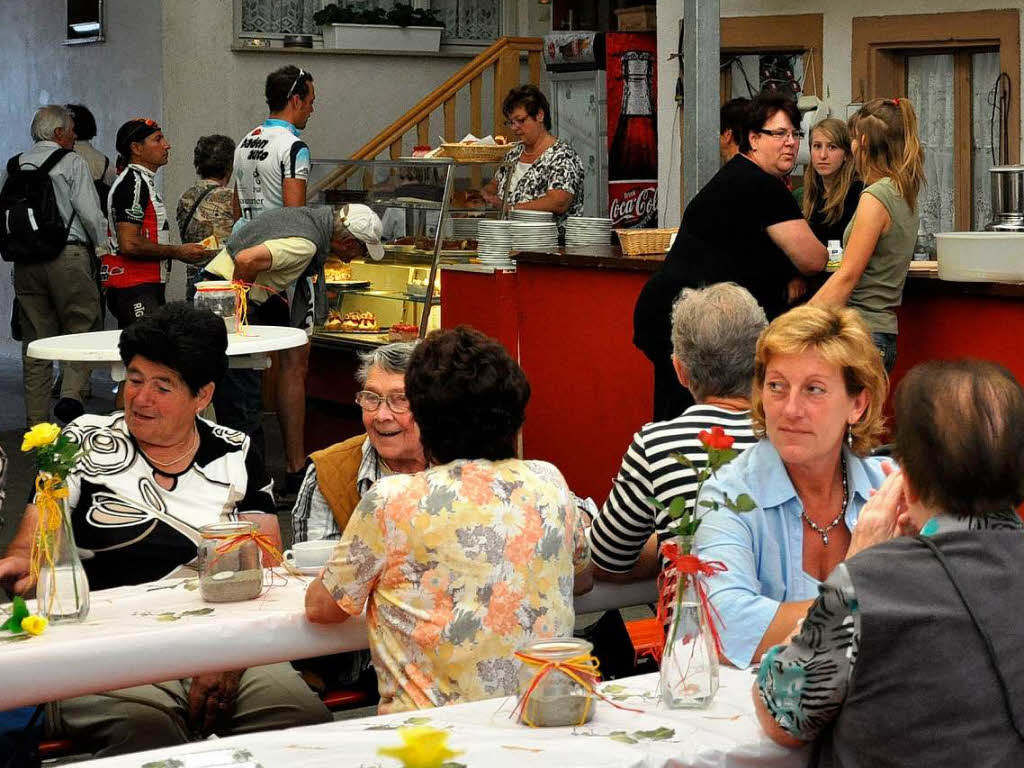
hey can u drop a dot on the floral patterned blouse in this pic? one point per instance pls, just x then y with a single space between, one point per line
803 684
462 564
558 167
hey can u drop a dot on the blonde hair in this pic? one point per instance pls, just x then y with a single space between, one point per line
835 131
886 132
842 338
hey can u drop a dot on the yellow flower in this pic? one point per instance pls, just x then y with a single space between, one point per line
424 747
40 435
34 625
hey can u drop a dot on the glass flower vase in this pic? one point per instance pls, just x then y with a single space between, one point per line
689 662
62 592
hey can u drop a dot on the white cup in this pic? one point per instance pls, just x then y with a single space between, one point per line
310 554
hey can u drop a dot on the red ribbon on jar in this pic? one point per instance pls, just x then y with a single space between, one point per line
684 563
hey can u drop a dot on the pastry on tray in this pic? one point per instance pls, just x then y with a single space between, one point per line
359 321
337 272
403 332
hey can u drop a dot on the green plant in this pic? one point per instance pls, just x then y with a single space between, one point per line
402 15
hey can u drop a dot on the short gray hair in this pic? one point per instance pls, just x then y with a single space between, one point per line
48 119
714 336
390 358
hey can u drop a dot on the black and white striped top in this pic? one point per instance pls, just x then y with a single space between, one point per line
627 518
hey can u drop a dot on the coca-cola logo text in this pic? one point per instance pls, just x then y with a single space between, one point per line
634 204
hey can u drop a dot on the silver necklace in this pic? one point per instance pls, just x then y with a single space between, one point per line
172 462
824 531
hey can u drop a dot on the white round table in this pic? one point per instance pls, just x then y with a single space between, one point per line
244 351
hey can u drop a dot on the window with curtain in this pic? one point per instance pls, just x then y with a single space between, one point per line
278 17
953 94
473 22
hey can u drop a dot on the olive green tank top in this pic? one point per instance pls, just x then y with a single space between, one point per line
880 289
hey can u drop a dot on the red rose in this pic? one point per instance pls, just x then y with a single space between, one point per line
716 439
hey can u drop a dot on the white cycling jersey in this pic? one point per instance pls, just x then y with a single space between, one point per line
268 155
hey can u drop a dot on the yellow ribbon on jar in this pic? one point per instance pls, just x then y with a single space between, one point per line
50 517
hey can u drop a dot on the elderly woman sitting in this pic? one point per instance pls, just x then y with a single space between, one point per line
148 480
469 560
714 333
911 653
339 476
818 393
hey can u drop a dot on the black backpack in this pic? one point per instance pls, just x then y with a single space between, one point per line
102 188
31 227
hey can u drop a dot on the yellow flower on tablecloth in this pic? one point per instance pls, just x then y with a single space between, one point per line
423 747
34 625
39 435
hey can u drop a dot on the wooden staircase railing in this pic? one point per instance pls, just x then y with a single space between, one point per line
503 59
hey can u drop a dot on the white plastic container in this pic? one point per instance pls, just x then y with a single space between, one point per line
981 257
381 37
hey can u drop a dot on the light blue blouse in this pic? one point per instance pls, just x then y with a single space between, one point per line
763 549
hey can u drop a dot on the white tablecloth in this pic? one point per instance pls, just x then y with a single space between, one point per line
726 734
164 630
248 351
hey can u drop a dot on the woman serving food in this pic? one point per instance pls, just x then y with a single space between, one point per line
547 174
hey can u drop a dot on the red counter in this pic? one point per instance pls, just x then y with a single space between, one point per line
569 321
570 325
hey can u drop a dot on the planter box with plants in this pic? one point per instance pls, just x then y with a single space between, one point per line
403 28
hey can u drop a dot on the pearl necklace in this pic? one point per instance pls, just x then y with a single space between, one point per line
172 462
824 531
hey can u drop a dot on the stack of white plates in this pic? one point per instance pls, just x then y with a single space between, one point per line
494 241
527 236
464 228
583 230
541 217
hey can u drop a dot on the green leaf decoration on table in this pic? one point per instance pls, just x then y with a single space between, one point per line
19 611
15 638
169 763
621 736
417 721
192 585
658 734
404 724
167 617
453 765
198 612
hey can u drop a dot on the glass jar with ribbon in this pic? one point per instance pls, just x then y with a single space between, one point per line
230 566
62 589
556 682
225 299
689 657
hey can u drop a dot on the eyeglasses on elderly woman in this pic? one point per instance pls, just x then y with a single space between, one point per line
371 401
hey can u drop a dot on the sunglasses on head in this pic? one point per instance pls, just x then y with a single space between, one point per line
298 79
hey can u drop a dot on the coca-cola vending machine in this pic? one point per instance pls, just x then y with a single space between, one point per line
602 90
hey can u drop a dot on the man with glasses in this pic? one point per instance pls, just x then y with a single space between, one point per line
271 161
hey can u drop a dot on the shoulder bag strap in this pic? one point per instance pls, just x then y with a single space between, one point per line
183 228
1007 699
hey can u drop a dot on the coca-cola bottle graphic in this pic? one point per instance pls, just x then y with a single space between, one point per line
634 150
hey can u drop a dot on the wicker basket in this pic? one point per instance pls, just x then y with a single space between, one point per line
475 153
644 242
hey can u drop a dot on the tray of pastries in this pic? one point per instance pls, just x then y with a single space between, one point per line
403 332
352 322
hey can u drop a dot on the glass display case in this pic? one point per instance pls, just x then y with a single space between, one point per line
429 209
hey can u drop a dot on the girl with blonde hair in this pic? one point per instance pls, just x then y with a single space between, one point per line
878 243
831 188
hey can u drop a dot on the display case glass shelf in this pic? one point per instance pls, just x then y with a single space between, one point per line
428 209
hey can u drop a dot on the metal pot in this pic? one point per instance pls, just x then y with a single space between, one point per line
1007 193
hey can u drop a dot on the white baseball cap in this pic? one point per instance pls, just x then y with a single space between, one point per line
364 225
